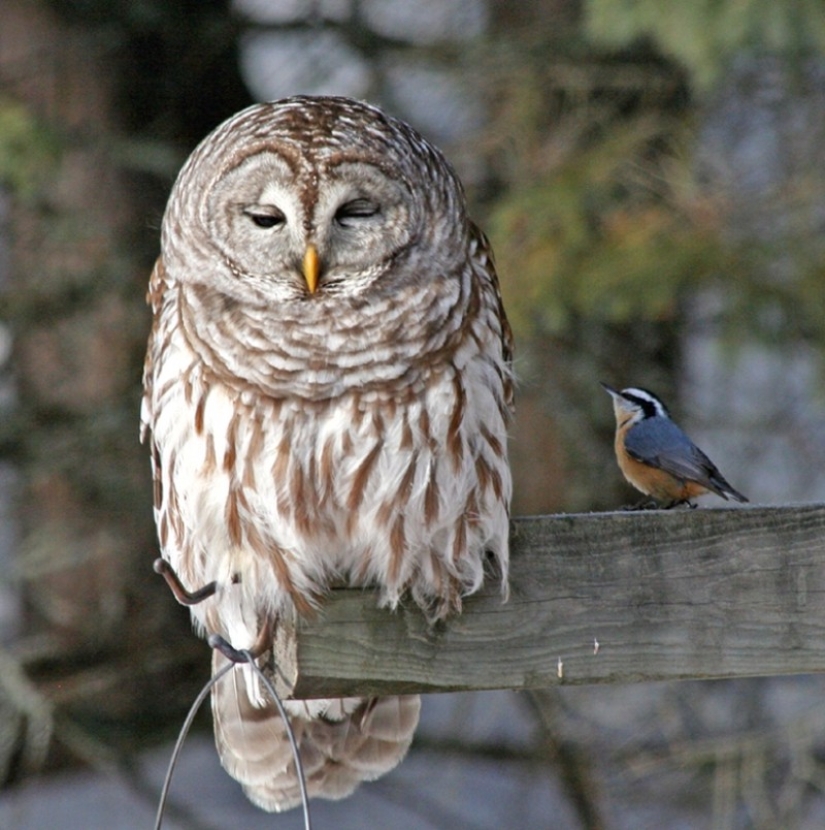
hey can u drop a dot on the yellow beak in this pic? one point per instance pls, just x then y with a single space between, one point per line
311 268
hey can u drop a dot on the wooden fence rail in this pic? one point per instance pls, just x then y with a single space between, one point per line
594 598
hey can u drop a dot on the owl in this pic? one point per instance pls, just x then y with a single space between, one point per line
327 387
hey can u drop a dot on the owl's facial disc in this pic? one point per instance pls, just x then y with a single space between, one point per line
291 230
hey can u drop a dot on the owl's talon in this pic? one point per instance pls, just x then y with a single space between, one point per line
263 642
182 595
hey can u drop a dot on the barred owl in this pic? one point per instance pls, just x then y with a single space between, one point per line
327 387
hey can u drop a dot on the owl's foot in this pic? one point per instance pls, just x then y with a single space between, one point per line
182 595
262 644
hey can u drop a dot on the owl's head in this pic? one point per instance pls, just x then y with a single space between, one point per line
314 197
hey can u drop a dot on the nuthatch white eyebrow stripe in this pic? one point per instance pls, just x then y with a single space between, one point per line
656 456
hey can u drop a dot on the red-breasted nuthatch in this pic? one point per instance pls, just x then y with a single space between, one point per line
656 457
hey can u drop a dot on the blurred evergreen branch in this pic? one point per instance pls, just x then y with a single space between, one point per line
600 213
705 35
28 149
26 722
584 239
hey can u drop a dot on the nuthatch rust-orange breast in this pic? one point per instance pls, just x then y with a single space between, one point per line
656 456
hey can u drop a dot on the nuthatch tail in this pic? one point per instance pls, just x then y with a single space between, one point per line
656 457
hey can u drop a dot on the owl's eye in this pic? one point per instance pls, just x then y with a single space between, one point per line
265 217
356 209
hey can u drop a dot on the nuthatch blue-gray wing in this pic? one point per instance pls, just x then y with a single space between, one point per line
659 443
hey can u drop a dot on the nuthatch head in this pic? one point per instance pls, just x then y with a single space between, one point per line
656 457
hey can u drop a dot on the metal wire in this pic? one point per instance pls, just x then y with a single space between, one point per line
187 724
243 656
299 767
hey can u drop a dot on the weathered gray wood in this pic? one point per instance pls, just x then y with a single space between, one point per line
665 594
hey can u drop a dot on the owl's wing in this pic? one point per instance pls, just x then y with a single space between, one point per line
154 298
482 255
660 443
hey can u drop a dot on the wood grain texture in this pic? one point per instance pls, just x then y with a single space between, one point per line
665 594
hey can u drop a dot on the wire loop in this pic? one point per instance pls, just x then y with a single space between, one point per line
236 657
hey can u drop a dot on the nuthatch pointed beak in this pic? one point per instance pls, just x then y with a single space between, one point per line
311 268
610 390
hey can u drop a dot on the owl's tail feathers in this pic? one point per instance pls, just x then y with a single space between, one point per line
342 742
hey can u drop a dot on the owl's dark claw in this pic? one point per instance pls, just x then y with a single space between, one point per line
182 595
263 642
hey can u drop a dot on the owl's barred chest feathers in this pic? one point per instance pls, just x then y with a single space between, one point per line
391 477
319 348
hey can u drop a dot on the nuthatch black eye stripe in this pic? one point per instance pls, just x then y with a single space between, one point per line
651 405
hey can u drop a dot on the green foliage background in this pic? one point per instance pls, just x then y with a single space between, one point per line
705 35
604 215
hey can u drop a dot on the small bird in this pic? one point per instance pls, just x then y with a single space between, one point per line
656 457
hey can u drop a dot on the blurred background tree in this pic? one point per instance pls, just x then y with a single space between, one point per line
651 176
92 131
